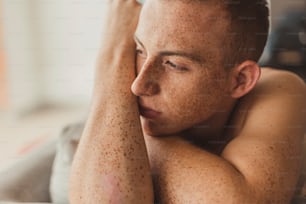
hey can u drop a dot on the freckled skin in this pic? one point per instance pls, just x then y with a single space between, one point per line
184 98
259 162
106 168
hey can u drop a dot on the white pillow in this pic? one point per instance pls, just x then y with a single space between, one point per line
66 147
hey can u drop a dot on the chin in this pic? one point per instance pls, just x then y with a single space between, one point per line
158 129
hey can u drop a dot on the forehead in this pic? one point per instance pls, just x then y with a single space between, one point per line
182 25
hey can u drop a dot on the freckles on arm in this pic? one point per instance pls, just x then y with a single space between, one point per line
268 149
260 165
110 185
112 162
111 158
188 174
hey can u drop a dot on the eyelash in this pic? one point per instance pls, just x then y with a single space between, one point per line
139 52
174 66
171 64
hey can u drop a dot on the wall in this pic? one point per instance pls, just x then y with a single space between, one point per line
69 37
51 47
21 61
3 80
279 7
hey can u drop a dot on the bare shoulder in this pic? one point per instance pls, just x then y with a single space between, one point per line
275 92
280 79
278 98
267 148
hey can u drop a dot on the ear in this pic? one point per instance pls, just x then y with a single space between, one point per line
244 78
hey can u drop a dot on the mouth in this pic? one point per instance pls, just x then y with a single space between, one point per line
148 112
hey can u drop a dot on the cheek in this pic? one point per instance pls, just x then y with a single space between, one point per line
201 97
185 102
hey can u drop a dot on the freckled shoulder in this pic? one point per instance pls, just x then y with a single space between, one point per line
267 143
272 83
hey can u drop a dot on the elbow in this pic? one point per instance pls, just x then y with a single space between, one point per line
233 187
246 192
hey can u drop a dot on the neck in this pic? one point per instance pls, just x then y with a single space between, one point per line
212 133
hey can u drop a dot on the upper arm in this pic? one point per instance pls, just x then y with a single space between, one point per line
267 151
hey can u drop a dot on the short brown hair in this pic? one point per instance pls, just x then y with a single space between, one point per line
248 30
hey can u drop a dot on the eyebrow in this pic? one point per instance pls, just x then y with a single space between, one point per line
190 56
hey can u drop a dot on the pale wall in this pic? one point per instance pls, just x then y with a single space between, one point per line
51 46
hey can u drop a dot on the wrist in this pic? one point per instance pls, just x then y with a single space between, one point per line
117 47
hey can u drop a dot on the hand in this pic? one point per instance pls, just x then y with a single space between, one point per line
116 61
121 22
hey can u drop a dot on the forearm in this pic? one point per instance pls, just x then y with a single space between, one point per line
111 163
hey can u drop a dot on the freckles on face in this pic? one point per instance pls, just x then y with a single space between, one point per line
184 98
193 101
198 97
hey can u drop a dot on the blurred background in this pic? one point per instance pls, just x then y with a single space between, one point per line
286 47
47 56
48 50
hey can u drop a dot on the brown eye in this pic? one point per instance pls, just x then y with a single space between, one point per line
175 66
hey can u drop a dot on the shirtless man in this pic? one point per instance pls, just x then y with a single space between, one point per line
192 125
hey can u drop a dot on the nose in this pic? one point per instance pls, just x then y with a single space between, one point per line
146 82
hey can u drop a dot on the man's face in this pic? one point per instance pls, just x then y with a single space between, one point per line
180 79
